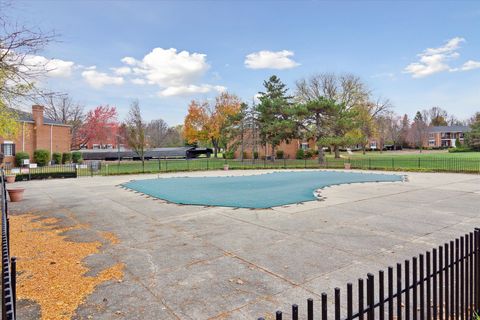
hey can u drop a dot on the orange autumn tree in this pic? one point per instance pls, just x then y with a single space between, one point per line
206 123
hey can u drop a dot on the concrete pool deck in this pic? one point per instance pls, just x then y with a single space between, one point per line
194 262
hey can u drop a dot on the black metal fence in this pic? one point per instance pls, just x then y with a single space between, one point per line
105 168
443 283
8 277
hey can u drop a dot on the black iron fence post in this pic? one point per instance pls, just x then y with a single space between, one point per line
370 297
13 270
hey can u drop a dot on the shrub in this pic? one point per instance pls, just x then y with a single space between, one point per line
67 157
77 157
57 157
458 143
279 154
41 157
309 154
255 154
460 149
300 155
19 157
229 154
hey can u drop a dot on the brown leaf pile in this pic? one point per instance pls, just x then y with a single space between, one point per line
50 269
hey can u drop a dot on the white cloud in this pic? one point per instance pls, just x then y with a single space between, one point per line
52 67
122 71
129 60
189 89
451 45
435 60
176 73
166 67
470 65
270 60
99 79
138 81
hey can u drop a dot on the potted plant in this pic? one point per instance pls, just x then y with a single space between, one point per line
347 165
10 178
225 167
15 194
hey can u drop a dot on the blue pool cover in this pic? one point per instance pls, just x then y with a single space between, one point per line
251 191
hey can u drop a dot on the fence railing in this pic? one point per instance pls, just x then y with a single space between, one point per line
462 165
93 168
8 277
443 283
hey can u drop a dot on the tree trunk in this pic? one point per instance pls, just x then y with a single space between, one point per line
273 153
321 155
364 150
337 152
215 148
143 162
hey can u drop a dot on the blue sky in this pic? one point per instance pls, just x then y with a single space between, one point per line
417 54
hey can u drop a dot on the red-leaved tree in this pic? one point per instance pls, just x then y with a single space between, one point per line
100 126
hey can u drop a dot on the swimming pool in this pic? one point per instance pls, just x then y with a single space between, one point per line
251 191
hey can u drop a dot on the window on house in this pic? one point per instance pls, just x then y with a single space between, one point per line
95 146
304 145
8 149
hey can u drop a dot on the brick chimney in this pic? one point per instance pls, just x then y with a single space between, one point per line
37 112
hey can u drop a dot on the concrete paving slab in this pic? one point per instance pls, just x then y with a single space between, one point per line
185 262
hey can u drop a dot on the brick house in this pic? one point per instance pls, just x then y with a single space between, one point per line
446 136
289 149
36 132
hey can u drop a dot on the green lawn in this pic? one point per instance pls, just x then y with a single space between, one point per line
439 162
391 161
416 155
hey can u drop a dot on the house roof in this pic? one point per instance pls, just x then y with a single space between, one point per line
441 129
28 117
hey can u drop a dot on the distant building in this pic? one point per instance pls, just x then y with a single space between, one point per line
446 136
289 148
36 132
110 141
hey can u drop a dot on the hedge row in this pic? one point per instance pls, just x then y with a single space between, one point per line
42 157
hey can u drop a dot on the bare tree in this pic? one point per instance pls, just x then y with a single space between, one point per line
394 129
18 71
174 137
63 109
135 131
157 132
418 131
347 89
436 116
383 126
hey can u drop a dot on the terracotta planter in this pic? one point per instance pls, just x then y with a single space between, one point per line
225 167
347 165
10 178
16 194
